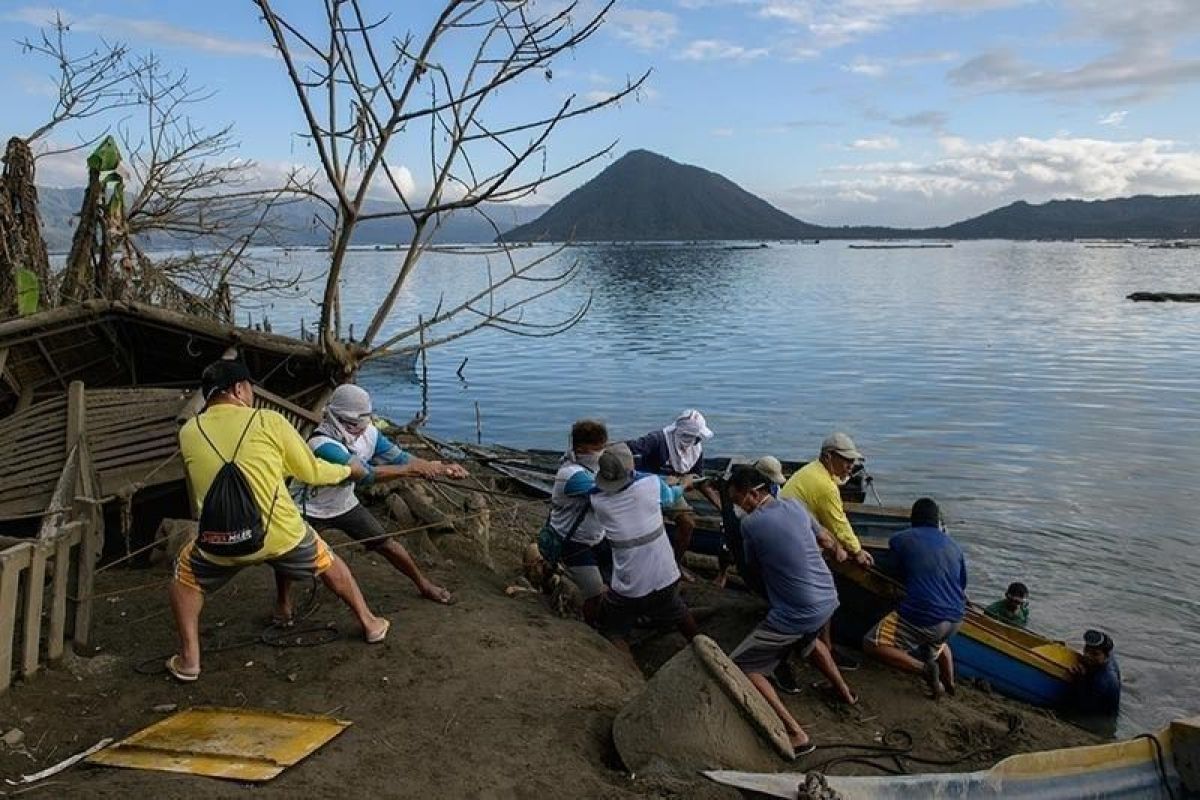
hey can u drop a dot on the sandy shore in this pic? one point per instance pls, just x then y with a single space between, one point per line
493 697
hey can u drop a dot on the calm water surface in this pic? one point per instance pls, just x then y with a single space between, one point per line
1057 423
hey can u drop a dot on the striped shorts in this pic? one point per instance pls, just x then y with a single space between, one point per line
308 559
922 642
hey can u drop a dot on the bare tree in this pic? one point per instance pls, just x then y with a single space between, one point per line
191 191
88 85
187 190
371 97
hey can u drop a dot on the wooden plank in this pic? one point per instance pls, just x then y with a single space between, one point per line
56 638
76 413
90 543
61 499
35 594
12 562
277 403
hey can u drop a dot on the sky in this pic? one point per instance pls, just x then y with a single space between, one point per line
893 112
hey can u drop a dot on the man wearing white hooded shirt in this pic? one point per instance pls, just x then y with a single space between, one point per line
347 434
677 451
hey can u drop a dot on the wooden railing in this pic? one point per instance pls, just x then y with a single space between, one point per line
37 616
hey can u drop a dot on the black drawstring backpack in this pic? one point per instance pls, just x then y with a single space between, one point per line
230 521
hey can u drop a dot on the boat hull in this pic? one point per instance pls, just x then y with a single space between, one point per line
1015 663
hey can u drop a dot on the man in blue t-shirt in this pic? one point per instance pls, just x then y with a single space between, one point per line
934 571
785 544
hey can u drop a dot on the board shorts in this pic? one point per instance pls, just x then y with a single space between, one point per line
358 523
619 615
308 559
579 560
765 648
922 642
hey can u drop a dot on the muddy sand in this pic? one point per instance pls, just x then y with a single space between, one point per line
495 696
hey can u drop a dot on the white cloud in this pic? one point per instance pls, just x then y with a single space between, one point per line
866 67
836 22
723 133
720 50
598 96
972 177
644 29
147 30
1145 52
875 143
1114 118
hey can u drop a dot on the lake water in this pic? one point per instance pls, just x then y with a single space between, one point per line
1056 422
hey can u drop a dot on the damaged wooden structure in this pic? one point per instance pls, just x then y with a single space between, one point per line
91 399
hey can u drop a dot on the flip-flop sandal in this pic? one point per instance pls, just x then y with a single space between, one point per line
803 750
279 621
177 672
381 635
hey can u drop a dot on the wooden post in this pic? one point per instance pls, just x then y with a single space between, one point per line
58 594
76 413
35 593
12 562
91 539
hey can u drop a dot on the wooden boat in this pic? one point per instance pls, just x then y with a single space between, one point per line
1159 765
534 469
1015 662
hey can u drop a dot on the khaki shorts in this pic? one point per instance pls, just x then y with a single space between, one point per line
308 559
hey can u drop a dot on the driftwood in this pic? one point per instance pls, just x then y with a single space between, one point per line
1164 297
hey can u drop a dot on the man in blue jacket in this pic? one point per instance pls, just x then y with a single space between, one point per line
934 571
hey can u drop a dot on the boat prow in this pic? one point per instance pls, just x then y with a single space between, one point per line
1161 765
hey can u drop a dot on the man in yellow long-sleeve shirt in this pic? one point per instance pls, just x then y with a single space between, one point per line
267 450
816 485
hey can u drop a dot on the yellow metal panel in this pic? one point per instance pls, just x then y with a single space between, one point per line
243 744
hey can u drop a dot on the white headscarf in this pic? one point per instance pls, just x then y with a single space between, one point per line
347 414
691 428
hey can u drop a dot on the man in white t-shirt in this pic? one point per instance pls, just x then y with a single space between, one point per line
645 580
347 434
572 523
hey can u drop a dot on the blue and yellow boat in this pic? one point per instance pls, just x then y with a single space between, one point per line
1014 662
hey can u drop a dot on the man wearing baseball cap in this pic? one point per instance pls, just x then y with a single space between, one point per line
266 450
645 580
1096 692
817 483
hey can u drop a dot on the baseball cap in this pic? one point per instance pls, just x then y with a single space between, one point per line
615 468
841 444
221 375
770 468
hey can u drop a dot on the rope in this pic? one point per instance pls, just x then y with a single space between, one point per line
896 747
1159 762
351 543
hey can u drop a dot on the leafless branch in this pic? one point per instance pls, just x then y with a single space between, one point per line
362 87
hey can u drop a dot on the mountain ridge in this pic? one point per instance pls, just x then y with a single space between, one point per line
643 196
628 200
